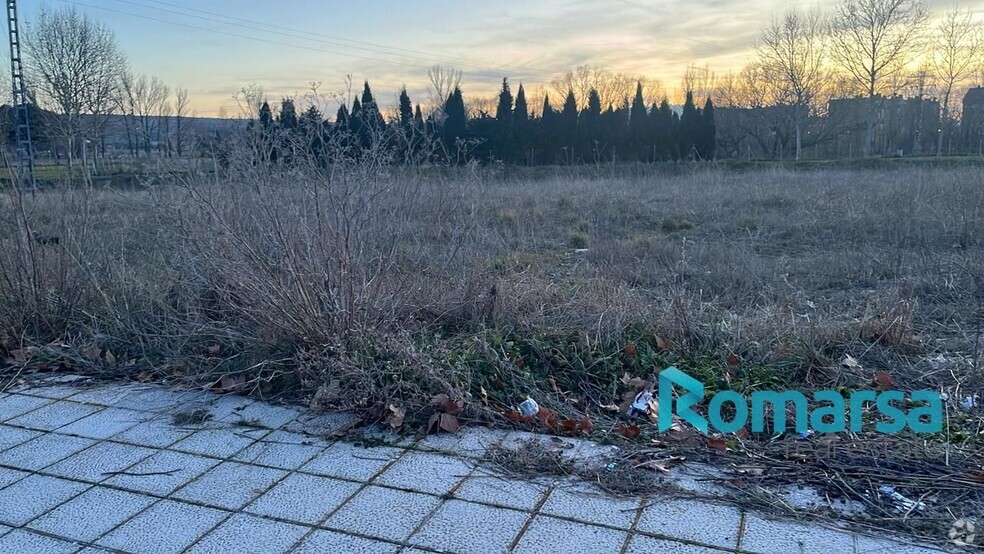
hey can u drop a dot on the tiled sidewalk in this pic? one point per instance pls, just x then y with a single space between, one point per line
105 469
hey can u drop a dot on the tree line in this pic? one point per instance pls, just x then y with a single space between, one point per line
513 133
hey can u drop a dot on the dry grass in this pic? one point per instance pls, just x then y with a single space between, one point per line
391 284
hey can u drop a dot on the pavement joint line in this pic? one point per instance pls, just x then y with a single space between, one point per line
634 526
444 500
741 531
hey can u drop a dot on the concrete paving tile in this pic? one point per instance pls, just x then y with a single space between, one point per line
163 473
875 545
687 519
464 527
11 476
557 536
32 496
164 528
283 450
103 394
492 488
245 534
425 472
94 464
157 432
589 504
12 436
4 530
383 513
103 424
766 536
222 407
43 451
14 405
348 461
230 485
23 541
469 442
219 443
321 541
53 416
303 498
320 424
91 514
52 390
261 414
646 545
155 398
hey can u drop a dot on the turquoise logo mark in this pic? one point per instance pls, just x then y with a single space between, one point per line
829 415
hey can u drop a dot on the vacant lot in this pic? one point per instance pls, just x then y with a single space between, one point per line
383 285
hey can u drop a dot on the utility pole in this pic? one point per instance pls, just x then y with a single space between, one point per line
22 125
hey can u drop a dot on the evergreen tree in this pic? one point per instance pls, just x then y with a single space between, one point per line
690 125
589 128
503 113
406 109
455 122
266 116
288 115
709 128
342 118
639 125
568 127
521 114
418 118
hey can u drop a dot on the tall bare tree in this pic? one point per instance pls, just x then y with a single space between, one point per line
792 50
143 101
700 81
957 50
181 111
74 71
443 81
872 40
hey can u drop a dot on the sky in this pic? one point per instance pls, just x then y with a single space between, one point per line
214 48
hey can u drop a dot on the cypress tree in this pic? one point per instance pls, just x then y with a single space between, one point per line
266 116
342 117
639 124
690 125
455 121
709 129
406 109
521 114
589 127
418 118
503 113
288 115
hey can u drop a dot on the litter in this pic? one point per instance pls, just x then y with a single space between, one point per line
529 407
902 504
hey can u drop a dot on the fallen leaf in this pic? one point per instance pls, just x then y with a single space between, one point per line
631 350
214 350
662 465
717 443
662 344
885 380
230 383
445 404
585 425
629 431
733 360
395 417
750 470
109 358
449 423
92 353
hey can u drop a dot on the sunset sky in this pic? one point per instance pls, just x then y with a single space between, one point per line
215 47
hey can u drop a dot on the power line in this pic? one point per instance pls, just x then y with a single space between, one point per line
252 25
320 37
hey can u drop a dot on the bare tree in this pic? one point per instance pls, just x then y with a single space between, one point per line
698 80
872 40
181 111
613 88
143 101
957 51
792 50
74 71
443 81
